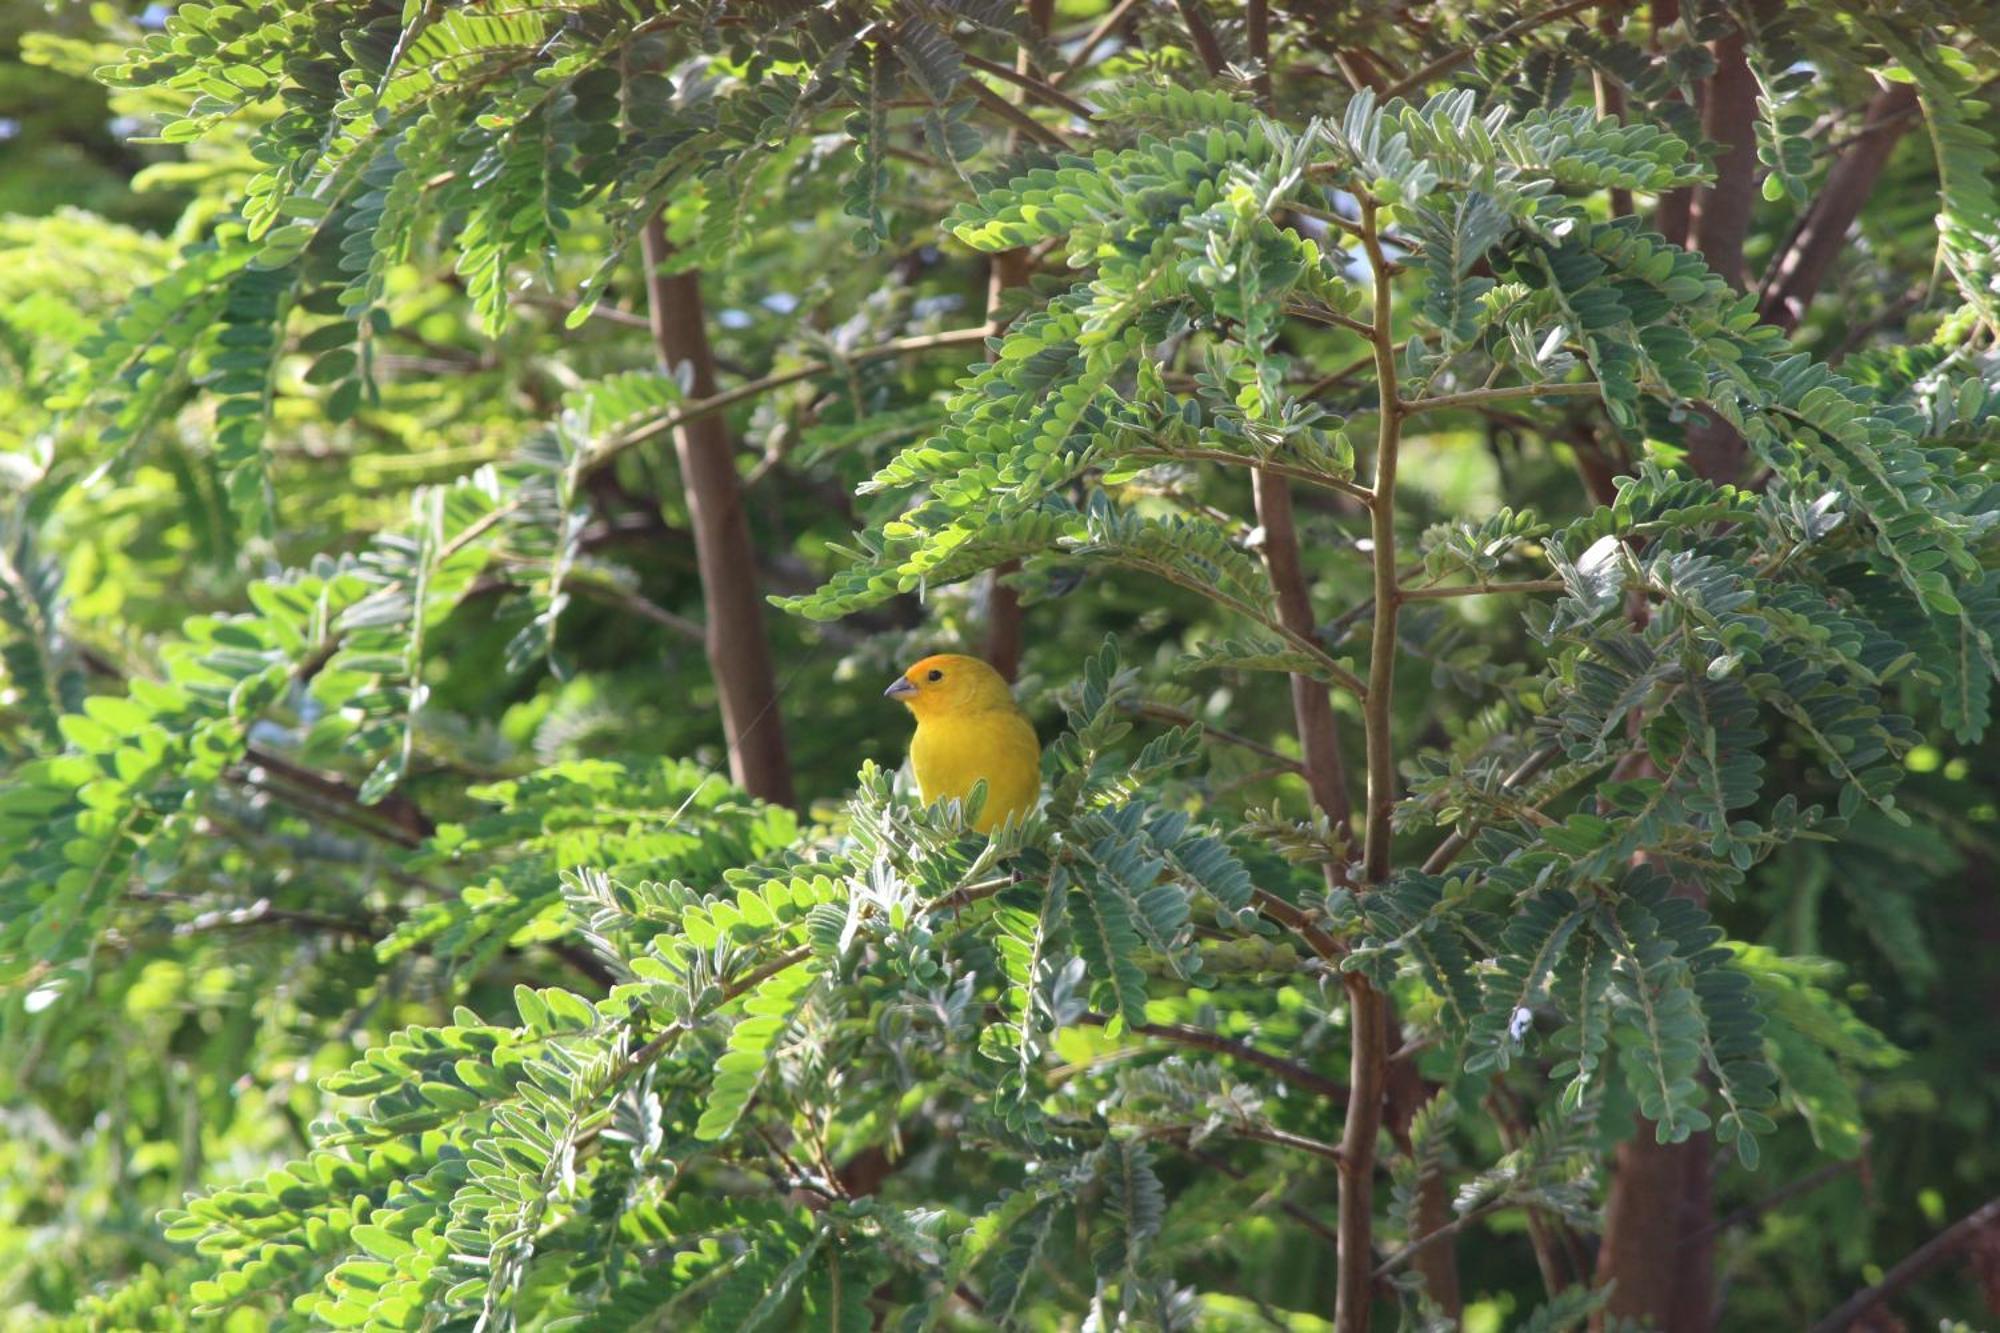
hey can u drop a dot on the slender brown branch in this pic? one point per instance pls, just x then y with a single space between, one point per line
1445 64
1294 473
1801 265
1014 117
1202 1039
641 607
1721 219
1203 36
1312 710
1257 32
411 826
710 404
1175 717
1435 591
1430 1238
1504 394
1918 1262
1805 1184
1300 923
1095 39
1448 851
739 651
1047 94
1298 1214
1367 1016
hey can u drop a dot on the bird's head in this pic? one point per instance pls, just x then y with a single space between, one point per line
950 683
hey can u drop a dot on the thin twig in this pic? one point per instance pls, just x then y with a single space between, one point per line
1446 63
1437 591
1201 1039
1175 717
1015 117
1506 393
1276 469
1094 40
1045 93
1919 1261
686 412
1447 851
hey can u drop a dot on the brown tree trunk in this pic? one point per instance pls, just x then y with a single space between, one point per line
1801 266
1658 1243
1312 709
1729 117
1010 269
1672 215
1437 1264
1003 603
739 655
1721 222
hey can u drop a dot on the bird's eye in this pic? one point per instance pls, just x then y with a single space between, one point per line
936 674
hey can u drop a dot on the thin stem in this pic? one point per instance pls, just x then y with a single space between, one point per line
1505 393
1919 1261
1047 94
1367 1018
1299 922
1015 117
1202 1039
1335 672
1435 592
1330 317
1175 717
1446 63
1292 1210
1203 36
1095 39
1309 476
1312 711
1429 1238
702 407
1448 850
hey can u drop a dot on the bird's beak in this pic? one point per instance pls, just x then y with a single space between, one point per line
901 688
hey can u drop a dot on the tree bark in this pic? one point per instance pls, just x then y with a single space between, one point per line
1801 266
739 654
1722 221
1010 269
1312 710
1729 117
1003 602
1672 215
1658 1244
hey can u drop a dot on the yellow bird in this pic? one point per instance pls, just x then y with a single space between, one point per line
968 728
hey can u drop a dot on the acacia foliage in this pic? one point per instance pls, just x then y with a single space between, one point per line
752 1003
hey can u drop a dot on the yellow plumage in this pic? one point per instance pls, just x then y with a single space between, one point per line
969 728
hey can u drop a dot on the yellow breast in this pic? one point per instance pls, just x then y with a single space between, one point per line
952 753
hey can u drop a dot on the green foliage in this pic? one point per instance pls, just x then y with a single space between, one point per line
386 945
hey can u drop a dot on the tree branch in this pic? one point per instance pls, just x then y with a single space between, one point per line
1307 475
1504 394
1801 265
1367 1016
1045 93
1721 217
1434 591
708 405
1203 36
1202 1039
1312 709
739 652
1445 64
1918 1262
1095 39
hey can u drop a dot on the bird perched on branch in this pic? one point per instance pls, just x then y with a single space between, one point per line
969 728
